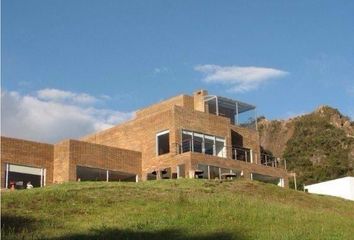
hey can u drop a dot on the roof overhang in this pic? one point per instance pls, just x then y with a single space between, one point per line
228 103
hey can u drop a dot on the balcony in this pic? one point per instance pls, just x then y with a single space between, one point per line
270 161
240 113
217 149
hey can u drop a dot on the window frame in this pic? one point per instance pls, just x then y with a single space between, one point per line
157 141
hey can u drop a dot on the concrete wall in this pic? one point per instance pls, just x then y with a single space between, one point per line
29 153
342 187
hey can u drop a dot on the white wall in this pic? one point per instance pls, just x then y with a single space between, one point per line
342 187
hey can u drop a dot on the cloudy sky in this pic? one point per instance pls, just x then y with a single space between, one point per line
70 68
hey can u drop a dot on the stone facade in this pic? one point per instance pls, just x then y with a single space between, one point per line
132 146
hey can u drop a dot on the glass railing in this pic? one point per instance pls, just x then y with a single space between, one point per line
237 153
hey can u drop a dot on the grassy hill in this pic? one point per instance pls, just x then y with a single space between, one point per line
173 209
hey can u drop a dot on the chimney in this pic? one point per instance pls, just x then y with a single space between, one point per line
199 100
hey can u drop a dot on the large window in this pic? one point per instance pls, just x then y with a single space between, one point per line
163 142
90 174
198 142
203 143
202 171
186 145
209 144
118 176
19 176
213 172
84 173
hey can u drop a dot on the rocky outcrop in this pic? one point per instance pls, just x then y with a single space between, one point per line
274 134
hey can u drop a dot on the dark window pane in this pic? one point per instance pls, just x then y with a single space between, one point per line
202 171
20 180
90 174
117 176
163 144
209 146
186 142
198 144
214 172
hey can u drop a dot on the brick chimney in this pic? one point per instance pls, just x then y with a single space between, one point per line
199 99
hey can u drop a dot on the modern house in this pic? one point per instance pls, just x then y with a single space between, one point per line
198 136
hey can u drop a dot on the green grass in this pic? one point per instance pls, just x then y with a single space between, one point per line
173 209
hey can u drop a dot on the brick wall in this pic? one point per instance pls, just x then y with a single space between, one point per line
61 161
180 100
70 153
139 135
105 157
29 153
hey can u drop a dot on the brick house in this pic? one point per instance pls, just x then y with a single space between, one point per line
198 136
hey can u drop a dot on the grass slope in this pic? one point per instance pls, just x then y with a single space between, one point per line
173 209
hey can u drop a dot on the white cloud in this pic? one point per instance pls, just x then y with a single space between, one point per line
49 117
55 95
240 79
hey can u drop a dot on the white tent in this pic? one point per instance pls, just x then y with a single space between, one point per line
341 187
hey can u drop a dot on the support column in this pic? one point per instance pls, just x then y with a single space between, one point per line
41 177
107 175
7 175
44 177
236 113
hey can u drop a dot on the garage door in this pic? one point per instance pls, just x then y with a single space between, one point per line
20 175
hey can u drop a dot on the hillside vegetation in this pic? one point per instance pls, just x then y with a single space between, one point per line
318 146
173 209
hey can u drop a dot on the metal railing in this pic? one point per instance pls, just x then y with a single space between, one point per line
269 160
236 153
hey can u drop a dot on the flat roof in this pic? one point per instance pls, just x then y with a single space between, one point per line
230 103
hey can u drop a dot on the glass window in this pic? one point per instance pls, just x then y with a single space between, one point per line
209 145
220 147
214 172
202 143
90 174
198 142
163 142
210 106
117 176
186 141
202 171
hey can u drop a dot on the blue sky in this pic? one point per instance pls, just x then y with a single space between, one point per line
109 58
